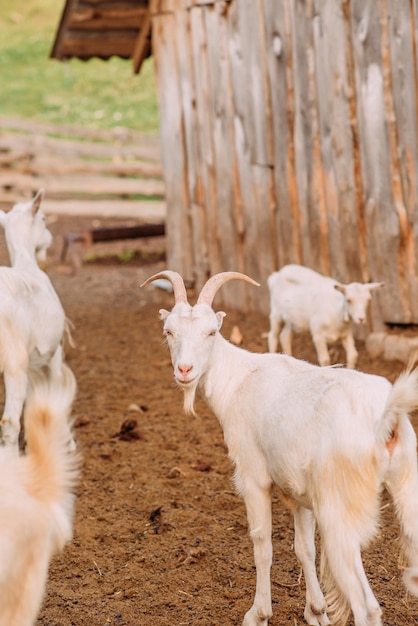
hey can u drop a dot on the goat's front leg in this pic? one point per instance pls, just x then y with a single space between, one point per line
321 347
316 606
15 384
350 349
258 504
273 335
286 339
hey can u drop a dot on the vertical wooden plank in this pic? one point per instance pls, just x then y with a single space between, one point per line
204 133
401 107
242 138
280 72
383 226
414 45
393 160
323 99
317 205
336 144
253 67
412 165
158 7
230 230
193 162
353 121
264 203
256 191
302 128
179 252
263 177
305 138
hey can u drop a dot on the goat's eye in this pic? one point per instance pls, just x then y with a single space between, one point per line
168 333
212 333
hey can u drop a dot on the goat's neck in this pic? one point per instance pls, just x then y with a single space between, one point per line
345 312
229 367
23 260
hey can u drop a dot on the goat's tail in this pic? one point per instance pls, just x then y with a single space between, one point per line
338 608
402 481
403 399
52 463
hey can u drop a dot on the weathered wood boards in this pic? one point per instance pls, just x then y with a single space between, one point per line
290 133
107 174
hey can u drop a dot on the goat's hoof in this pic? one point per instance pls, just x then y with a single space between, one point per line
256 617
8 442
316 619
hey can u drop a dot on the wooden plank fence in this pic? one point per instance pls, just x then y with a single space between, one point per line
86 172
291 135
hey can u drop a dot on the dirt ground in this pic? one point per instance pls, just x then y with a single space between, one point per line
160 537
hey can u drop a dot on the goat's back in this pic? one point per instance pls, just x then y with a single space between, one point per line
31 314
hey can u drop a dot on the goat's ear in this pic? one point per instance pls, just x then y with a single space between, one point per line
220 317
2 218
339 287
36 202
163 313
375 285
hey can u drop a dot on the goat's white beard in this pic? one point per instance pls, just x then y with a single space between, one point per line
189 396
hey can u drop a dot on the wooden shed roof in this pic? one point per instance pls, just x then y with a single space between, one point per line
104 28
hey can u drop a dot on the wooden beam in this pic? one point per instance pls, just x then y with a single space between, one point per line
105 47
70 186
56 48
143 4
94 235
98 19
142 44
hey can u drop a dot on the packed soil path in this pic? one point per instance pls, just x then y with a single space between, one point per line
160 536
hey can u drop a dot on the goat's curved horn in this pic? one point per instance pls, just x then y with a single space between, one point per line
180 294
210 288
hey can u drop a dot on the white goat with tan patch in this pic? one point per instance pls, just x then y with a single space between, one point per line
303 300
36 499
32 319
329 439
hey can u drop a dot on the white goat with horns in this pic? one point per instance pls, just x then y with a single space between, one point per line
32 319
329 438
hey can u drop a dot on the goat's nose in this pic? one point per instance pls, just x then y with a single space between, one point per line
361 320
185 369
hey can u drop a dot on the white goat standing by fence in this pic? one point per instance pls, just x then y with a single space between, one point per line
36 499
303 300
32 319
330 439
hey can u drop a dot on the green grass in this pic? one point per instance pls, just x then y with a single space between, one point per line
93 94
